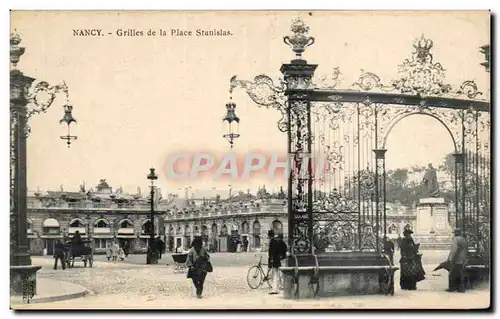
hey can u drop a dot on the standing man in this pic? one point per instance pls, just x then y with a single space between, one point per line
457 259
389 249
59 254
277 252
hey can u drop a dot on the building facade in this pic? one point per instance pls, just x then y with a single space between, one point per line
106 215
222 223
103 215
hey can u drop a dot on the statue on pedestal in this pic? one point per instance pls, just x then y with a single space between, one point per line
430 186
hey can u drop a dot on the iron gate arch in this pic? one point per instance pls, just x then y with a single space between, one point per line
343 207
401 117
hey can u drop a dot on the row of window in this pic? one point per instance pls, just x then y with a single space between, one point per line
101 223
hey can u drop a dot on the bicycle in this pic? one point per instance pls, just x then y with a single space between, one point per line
256 276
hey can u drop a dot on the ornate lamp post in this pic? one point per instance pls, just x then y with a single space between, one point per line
151 255
27 97
231 123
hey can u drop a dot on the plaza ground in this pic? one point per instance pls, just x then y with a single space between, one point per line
134 285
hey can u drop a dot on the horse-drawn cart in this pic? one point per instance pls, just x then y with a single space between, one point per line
83 251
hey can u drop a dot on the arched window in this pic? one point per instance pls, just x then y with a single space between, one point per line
223 230
214 229
187 230
256 234
147 227
277 227
204 230
171 231
77 222
126 223
179 230
101 223
393 229
196 231
244 228
256 228
51 226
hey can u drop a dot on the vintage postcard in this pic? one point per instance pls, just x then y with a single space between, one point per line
250 160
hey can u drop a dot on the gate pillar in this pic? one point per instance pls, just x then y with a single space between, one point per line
298 75
460 192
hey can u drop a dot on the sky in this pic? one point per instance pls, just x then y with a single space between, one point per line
139 100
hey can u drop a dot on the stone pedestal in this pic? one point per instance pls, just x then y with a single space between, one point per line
433 230
23 280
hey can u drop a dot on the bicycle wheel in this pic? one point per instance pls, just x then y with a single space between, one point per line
254 277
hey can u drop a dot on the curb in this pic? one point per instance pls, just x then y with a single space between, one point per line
17 302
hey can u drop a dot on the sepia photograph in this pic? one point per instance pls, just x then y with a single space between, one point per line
250 160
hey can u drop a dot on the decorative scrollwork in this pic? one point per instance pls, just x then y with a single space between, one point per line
469 88
265 93
42 95
327 82
367 183
368 81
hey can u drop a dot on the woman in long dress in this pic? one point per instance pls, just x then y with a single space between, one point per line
411 263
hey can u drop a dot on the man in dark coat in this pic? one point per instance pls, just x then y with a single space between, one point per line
389 249
76 243
277 252
457 259
59 254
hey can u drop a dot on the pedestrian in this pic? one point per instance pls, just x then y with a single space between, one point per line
59 255
245 244
411 263
109 253
457 259
277 252
114 251
389 249
125 248
121 254
198 261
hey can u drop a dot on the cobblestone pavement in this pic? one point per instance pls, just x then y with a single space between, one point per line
119 285
247 259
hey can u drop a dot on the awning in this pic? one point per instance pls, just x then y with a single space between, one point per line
103 236
51 236
50 222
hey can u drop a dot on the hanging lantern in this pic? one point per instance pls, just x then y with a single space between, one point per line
68 119
231 123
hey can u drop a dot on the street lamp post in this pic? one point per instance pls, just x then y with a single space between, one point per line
27 97
151 255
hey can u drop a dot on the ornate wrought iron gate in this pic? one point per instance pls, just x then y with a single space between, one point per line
342 205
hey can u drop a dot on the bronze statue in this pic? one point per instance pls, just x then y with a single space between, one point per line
430 183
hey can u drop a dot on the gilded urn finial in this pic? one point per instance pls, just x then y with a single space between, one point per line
15 50
300 39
